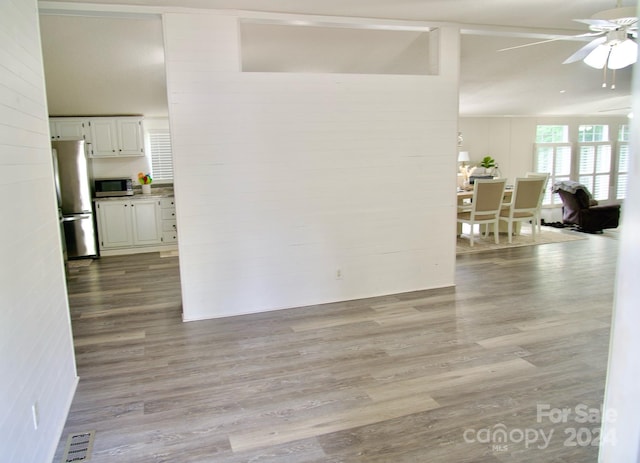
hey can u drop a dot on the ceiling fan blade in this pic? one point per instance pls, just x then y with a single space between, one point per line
564 37
613 109
528 44
584 51
599 23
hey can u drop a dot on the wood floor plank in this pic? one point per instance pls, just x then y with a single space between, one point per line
398 378
332 422
463 377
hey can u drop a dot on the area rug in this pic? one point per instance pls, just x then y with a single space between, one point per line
547 236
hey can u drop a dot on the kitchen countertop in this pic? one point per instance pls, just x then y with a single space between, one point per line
156 192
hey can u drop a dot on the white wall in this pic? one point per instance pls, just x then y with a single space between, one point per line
36 350
620 436
283 181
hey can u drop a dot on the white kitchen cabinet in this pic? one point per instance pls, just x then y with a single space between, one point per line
114 224
116 137
146 222
168 221
104 138
130 139
128 223
65 128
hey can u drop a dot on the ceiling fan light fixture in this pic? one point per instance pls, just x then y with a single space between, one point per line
623 55
598 57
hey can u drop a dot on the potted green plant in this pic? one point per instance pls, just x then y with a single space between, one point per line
488 162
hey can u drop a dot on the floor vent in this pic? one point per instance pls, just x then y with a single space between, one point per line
78 447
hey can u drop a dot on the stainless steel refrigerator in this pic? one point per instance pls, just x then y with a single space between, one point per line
73 186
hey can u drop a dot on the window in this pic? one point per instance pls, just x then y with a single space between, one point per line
594 169
553 155
598 159
161 156
555 159
622 162
594 159
591 133
552 134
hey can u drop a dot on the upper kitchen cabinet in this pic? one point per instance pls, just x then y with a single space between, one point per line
106 137
113 137
67 128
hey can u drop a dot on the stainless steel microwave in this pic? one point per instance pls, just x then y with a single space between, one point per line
113 187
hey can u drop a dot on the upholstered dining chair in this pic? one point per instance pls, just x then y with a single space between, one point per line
524 205
544 175
485 206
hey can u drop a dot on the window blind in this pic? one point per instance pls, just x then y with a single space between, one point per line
161 156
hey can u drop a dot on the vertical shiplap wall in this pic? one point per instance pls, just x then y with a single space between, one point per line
296 189
36 351
620 430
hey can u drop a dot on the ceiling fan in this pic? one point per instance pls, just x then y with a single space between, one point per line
614 48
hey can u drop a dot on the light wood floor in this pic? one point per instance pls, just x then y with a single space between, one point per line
419 377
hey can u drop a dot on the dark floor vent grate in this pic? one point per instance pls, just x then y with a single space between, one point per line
78 447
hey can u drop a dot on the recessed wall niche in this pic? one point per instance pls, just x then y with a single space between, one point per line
305 48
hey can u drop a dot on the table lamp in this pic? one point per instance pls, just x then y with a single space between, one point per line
463 157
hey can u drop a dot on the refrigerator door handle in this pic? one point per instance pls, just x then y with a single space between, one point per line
73 218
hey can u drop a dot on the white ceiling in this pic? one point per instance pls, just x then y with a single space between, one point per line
526 81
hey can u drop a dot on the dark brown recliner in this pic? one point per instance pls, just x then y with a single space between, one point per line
580 209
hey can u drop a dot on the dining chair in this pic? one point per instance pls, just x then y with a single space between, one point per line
485 206
544 175
525 202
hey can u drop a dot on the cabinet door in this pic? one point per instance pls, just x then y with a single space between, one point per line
130 137
66 128
104 137
114 224
146 222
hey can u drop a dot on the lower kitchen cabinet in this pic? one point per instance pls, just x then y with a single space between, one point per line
130 226
168 221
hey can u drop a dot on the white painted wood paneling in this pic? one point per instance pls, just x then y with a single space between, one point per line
296 189
36 349
621 415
